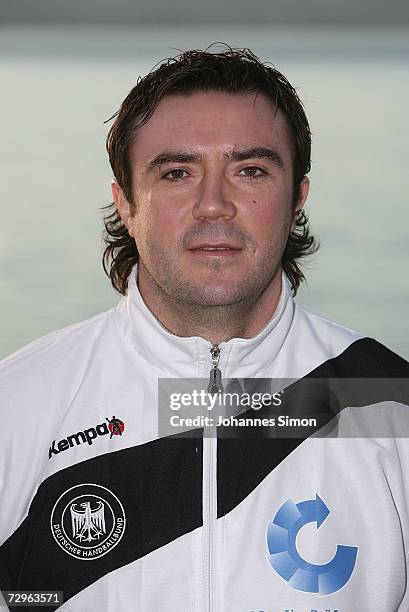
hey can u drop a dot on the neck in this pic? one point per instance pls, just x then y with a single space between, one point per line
243 319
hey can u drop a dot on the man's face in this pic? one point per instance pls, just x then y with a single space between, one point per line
213 193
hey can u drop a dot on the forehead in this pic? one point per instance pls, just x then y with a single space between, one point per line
212 121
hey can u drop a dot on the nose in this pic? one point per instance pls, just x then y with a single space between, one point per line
213 199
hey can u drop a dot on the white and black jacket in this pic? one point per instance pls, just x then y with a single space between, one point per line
93 503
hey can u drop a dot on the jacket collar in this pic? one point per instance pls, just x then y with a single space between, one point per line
189 357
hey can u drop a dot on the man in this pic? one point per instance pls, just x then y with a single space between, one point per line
210 154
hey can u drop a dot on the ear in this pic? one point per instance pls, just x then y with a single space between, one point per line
122 205
303 190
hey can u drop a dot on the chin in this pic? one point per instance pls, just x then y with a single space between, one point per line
207 295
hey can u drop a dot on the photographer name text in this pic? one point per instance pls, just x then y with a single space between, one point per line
234 421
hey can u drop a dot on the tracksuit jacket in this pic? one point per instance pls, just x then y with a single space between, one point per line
95 503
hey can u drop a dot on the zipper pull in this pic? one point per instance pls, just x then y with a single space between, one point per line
215 381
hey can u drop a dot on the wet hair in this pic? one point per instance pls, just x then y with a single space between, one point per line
233 71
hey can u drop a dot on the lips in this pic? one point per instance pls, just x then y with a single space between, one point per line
215 247
219 251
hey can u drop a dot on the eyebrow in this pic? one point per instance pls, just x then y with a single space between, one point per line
257 153
172 157
187 157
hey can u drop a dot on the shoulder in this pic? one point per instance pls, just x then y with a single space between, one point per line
348 352
313 340
51 351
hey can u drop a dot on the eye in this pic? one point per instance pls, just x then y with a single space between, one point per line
252 172
174 175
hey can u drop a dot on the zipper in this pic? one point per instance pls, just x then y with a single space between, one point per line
209 519
215 379
210 491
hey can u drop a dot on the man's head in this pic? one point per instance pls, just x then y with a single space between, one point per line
209 150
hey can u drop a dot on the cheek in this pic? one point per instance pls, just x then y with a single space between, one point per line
155 227
142 220
269 216
268 223
139 225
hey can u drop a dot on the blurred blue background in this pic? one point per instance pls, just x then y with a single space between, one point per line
63 73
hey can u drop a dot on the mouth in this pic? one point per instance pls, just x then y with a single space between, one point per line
216 250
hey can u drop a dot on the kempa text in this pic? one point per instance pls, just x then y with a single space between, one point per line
88 435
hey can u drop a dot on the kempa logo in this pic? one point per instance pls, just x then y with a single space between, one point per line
87 521
114 427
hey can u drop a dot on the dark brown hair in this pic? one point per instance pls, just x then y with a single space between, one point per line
234 71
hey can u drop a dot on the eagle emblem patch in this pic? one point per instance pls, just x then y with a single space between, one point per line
88 521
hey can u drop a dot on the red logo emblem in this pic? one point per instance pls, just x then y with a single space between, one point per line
115 426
